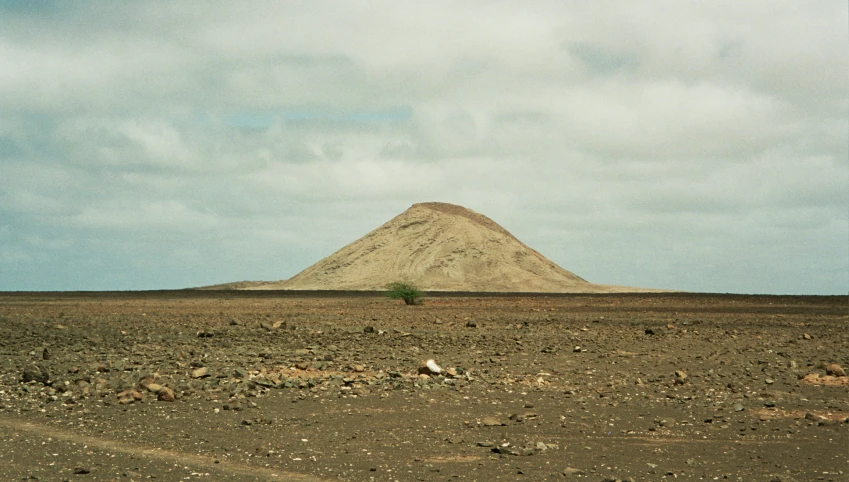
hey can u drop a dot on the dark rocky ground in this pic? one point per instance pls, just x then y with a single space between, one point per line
269 386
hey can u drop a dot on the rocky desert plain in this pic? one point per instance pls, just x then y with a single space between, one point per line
512 369
268 385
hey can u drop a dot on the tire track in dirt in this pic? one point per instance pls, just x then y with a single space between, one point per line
199 461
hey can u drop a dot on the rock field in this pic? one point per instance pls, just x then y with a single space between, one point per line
219 385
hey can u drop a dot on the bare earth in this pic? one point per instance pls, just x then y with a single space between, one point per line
285 386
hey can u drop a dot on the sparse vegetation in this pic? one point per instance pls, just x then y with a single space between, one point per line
404 291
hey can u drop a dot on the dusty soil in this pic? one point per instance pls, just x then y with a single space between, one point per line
273 386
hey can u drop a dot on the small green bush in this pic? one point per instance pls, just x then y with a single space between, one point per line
404 291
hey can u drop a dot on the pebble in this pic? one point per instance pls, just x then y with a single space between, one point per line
132 394
166 394
35 373
430 368
505 450
811 417
568 471
835 370
491 422
269 326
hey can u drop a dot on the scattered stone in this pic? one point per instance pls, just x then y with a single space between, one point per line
782 478
505 450
369 330
144 383
811 417
491 422
521 417
429 368
569 471
302 366
35 373
81 471
506 365
129 396
542 446
45 355
205 334
270 326
166 394
665 422
835 370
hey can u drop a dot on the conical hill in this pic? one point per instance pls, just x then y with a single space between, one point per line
440 247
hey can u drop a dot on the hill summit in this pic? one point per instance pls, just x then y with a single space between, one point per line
439 247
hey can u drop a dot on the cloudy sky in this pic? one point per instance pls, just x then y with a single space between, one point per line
684 145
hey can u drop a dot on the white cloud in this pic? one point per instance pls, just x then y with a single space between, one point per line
660 144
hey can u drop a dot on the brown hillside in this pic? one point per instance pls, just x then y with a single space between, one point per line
439 247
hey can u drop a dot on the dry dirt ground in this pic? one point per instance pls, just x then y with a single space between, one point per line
274 386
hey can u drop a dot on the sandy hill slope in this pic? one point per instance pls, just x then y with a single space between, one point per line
440 247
